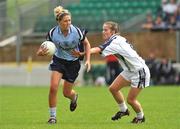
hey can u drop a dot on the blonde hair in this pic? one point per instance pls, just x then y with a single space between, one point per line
60 12
113 26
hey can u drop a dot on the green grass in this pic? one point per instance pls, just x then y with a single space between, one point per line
27 108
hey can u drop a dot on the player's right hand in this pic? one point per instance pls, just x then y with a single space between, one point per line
88 66
42 51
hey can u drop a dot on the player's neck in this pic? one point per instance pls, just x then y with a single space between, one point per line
65 32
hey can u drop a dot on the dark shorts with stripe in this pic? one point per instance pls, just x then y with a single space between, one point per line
69 69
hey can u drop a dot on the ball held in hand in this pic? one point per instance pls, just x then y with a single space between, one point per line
50 46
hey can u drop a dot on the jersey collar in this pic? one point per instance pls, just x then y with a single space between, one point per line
69 31
111 38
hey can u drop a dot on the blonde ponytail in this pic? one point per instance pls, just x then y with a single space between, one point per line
59 12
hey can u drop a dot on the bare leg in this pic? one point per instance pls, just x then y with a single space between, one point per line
114 88
55 78
131 99
71 94
68 92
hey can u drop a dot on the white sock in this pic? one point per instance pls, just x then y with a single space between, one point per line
123 107
140 115
52 112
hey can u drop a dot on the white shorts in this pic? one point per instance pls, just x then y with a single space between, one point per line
138 79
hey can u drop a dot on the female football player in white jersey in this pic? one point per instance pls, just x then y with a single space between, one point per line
64 65
135 71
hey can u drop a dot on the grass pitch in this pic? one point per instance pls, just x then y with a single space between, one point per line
27 108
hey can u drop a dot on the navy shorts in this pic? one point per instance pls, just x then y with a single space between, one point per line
69 69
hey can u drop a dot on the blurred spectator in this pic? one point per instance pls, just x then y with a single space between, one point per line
162 71
168 16
113 69
166 74
149 22
159 23
171 7
172 23
160 10
152 63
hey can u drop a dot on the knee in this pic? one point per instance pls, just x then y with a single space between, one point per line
131 101
112 89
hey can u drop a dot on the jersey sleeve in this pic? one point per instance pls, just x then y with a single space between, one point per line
50 34
82 33
108 48
107 43
106 51
81 45
103 46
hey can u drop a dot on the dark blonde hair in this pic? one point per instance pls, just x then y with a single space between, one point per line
60 12
113 26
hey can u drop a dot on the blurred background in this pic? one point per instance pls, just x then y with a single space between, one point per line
152 26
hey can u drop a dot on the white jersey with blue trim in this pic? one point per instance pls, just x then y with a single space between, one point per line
65 44
122 49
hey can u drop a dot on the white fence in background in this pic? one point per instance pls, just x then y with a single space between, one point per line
13 75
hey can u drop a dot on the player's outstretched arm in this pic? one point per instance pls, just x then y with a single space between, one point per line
93 50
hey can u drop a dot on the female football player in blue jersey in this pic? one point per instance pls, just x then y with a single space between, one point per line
64 65
135 71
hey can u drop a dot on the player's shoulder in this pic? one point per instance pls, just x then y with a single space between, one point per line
120 38
52 30
74 28
50 33
77 30
81 32
115 40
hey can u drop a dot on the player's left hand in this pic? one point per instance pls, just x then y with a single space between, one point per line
76 53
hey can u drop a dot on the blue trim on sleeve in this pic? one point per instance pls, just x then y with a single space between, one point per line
50 34
107 43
